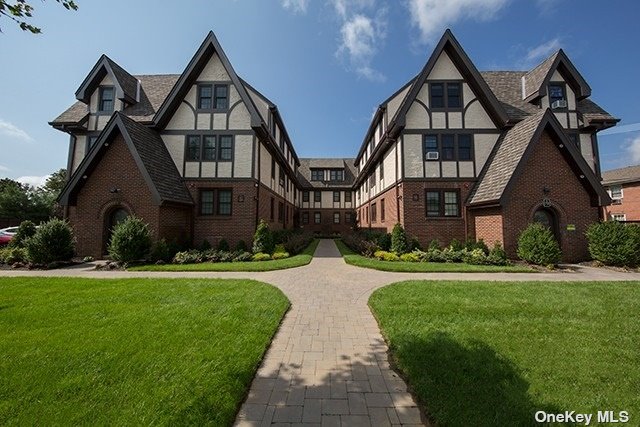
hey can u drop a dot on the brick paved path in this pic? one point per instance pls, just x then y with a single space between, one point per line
327 365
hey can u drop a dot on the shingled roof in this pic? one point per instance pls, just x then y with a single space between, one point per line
150 154
532 81
304 172
622 175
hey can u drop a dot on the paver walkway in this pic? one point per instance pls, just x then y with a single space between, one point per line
327 365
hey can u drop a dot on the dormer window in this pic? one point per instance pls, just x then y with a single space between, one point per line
557 96
336 175
106 101
445 95
221 97
317 174
205 93
213 96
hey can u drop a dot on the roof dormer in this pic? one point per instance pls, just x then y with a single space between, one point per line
126 87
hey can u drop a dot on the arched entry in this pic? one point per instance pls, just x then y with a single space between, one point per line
549 219
114 217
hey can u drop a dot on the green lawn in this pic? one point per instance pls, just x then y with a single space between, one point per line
299 260
131 352
352 258
491 354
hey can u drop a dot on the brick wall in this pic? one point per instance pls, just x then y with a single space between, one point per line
630 205
486 224
425 229
265 209
327 226
391 211
94 201
547 168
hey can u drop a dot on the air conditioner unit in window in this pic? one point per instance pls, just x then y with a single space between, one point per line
560 103
433 155
616 201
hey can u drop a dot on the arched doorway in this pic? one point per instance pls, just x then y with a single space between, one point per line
549 219
114 217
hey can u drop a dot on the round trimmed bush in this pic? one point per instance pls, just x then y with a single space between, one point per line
261 256
130 241
52 242
537 245
614 243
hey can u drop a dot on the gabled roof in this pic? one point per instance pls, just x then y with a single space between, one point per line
534 83
126 85
304 172
512 152
622 175
148 151
209 46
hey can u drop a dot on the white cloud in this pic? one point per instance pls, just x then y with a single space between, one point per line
12 131
296 6
542 51
633 150
34 181
361 35
546 5
433 16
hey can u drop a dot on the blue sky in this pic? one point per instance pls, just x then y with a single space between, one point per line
326 63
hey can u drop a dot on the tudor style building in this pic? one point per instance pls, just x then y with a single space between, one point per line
455 153
623 186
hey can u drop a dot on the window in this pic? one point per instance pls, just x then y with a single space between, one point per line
442 203
448 147
317 174
209 148
317 217
91 141
615 191
445 95
618 217
382 210
372 179
373 213
348 217
206 202
221 97
225 152
215 202
336 217
281 143
106 101
381 171
336 175
556 93
336 197
273 168
305 217
281 177
224 202
347 196
280 212
205 95
317 196
366 215
193 148
305 196
272 208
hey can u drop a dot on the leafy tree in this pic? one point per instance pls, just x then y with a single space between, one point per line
20 10
56 182
20 201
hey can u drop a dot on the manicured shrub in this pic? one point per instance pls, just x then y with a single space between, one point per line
471 244
13 254
296 243
130 240
26 230
409 257
205 246
386 256
260 256
398 239
263 239
280 255
223 245
358 244
614 243
384 241
241 246
279 248
449 255
474 257
456 245
52 242
192 256
434 245
497 255
537 245
280 236
243 257
160 251
414 244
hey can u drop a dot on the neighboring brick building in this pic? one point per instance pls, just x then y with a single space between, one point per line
454 153
623 186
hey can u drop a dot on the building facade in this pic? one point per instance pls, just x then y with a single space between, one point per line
623 186
454 153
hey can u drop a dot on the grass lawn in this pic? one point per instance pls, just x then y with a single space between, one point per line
131 352
352 258
299 260
491 353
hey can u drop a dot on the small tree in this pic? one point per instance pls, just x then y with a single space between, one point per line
537 245
52 242
263 239
26 230
398 239
130 240
614 243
